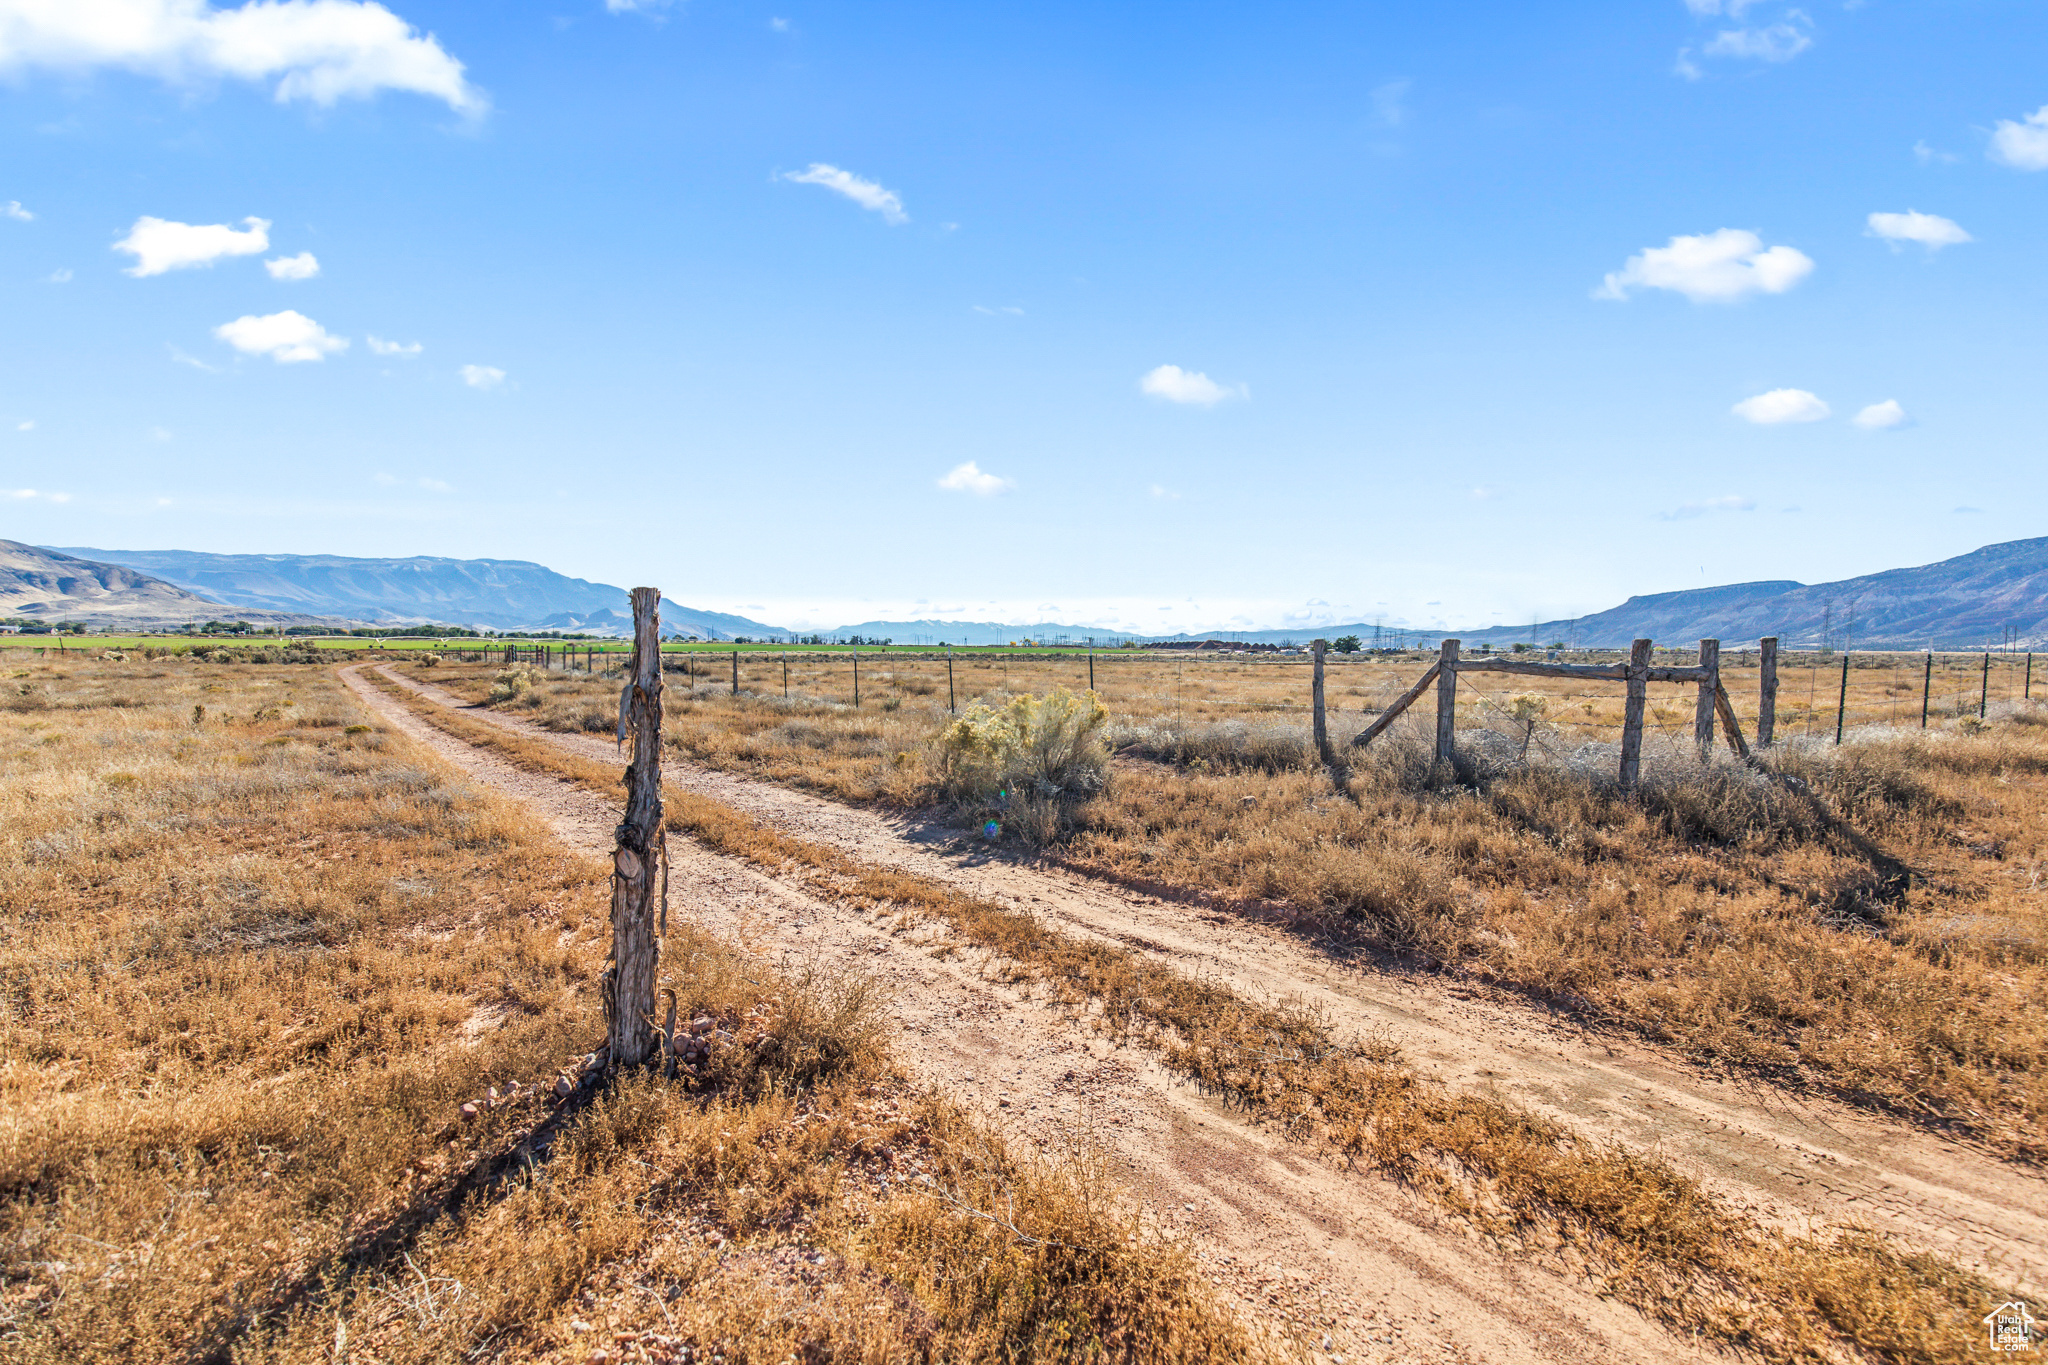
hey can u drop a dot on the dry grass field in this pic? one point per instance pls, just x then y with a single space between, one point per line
259 951
1652 1236
1873 926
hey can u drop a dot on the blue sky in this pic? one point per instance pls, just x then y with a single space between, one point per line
1145 316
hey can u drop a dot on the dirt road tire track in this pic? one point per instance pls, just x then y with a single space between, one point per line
1397 1274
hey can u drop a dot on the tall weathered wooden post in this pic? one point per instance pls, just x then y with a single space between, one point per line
1767 691
1632 714
1324 754
1842 700
1447 702
636 863
1703 709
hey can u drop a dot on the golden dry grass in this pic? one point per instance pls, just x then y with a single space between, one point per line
257 951
1879 934
1652 1236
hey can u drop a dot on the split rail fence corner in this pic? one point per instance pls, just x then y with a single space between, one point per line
1637 674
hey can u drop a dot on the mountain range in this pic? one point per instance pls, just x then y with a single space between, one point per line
486 594
49 585
1986 597
1965 602
1989 596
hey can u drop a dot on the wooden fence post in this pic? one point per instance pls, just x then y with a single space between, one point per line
1767 692
1632 714
856 676
1926 688
735 673
953 708
1703 709
639 859
1322 729
785 675
1091 665
1984 697
1447 701
1842 700
2028 693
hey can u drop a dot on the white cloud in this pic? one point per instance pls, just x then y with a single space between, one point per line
866 193
1734 502
1772 43
1708 8
317 50
1176 385
482 376
1781 405
1002 311
1164 494
1929 229
1713 267
437 485
634 6
194 361
29 425
779 25
2023 144
1927 155
379 346
158 245
1387 108
1879 416
30 494
288 337
968 478
60 276
299 267
13 209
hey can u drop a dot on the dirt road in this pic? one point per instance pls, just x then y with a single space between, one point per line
1327 1251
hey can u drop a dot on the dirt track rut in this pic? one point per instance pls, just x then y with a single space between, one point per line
1328 1251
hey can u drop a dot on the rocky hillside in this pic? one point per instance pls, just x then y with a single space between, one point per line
50 586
